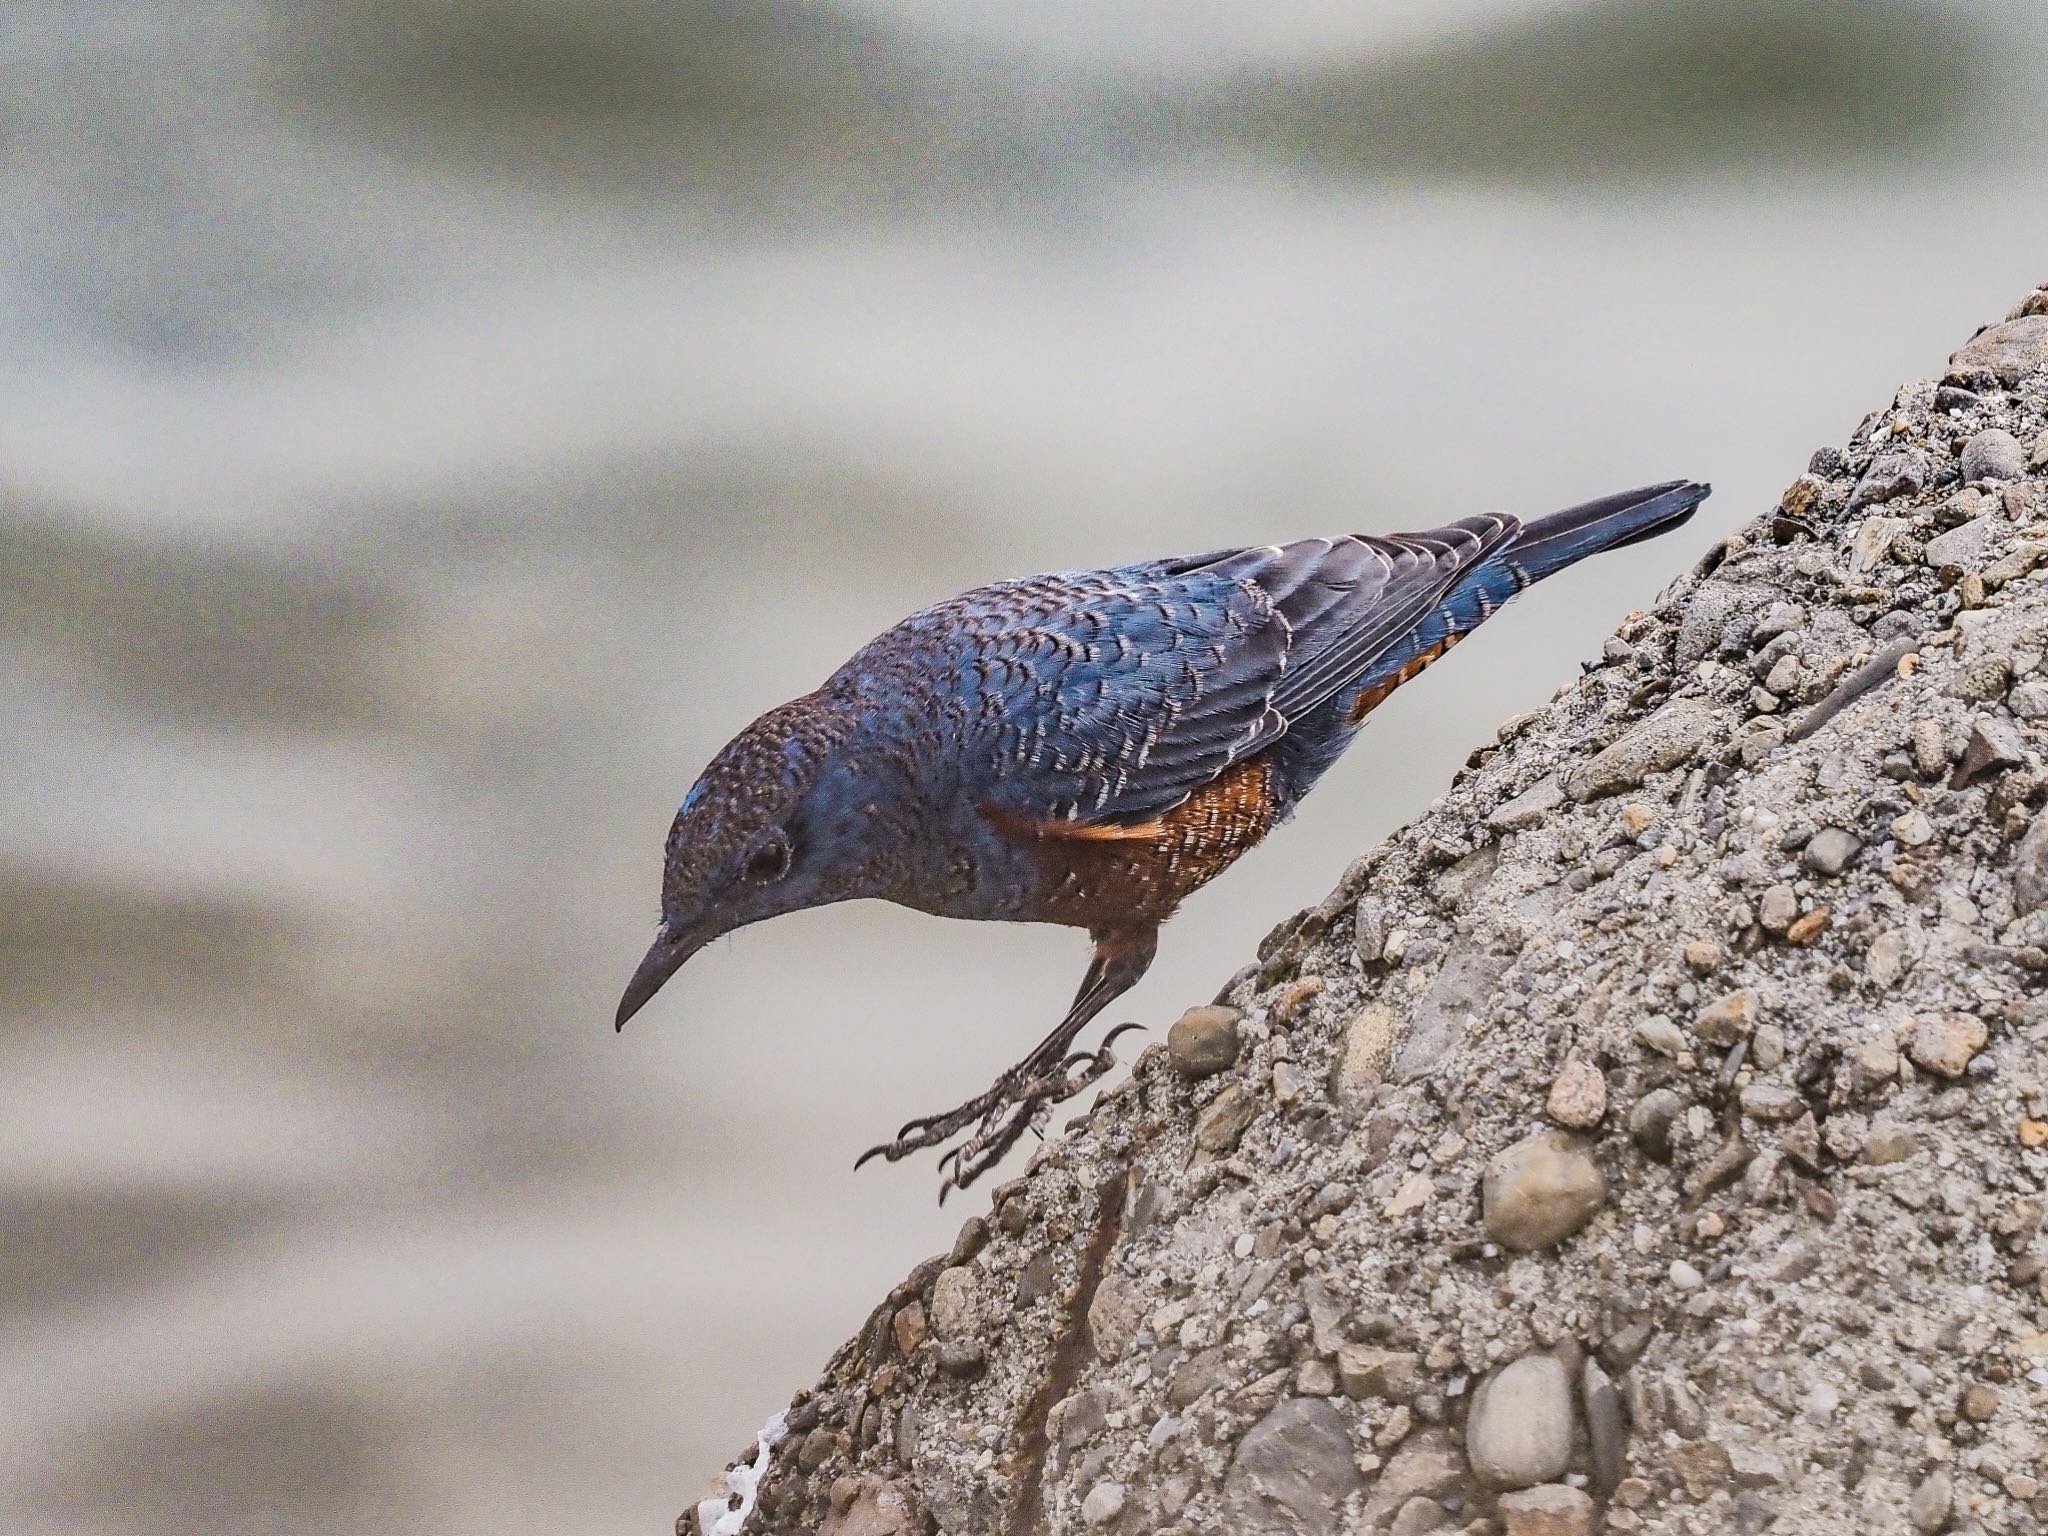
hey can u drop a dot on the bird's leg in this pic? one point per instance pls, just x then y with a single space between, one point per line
1028 1112
1043 1078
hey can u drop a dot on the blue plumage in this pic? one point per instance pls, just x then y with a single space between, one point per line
1088 748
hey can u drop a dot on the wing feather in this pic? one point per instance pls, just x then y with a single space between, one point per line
1109 697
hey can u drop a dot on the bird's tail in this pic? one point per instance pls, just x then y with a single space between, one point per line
1551 543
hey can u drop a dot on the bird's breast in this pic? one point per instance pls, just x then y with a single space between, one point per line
1091 873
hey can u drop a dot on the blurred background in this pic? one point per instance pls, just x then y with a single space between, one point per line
429 429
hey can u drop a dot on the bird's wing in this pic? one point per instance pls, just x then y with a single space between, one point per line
1109 697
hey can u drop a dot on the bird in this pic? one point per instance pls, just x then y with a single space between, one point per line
1088 748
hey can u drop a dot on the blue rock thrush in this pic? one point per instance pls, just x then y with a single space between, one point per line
1088 748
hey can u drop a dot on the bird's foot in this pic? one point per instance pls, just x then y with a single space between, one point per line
1020 1100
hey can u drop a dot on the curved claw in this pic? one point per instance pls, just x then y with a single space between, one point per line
1020 1100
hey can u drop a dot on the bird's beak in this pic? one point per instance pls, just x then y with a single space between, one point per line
664 958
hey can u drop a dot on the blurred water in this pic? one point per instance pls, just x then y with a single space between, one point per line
426 434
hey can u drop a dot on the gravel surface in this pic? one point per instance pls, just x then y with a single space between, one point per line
1653 1136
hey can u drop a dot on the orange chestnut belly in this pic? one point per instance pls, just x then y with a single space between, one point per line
1109 874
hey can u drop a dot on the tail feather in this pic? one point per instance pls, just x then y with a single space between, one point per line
1551 543
1540 549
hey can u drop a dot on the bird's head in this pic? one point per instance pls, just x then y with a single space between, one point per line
750 842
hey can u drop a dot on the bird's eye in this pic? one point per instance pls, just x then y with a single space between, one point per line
770 861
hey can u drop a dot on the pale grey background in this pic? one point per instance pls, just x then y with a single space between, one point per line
428 430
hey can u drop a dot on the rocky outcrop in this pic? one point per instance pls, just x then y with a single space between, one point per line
1651 1137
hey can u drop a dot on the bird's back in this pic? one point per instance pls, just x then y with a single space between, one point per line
1175 709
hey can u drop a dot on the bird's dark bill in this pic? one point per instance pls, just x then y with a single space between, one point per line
664 958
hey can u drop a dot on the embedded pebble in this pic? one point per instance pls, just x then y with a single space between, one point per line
1578 1095
1292 1472
1530 808
1943 1043
909 1327
1980 1403
1367 1372
1778 909
1204 1041
1225 1118
1554 1509
1650 1121
2029 700
1104 1503
1993 745
1368 1048
1520 1429
1931 1502
1930 748
1888 1142
1114 1316
1672 736
956 1303
1419 1517
2007 352
1606 1430
1982 679
2030 866
1727 1019
1772 1103
1890 476
1541 1190
1912 829
1659 1034
1993 454
1965 546
1808 926
1830 850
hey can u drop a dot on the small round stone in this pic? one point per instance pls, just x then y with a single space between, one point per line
1419 1517
1578 1095
1203 1041
1913 829
1520 1430
1728 1019
1650 1120
1993 454
1659 1034
1780 905
1104 1503
1929 1506
1829 851
1315 1379
1541 1190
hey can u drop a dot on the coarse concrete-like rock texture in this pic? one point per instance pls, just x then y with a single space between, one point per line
1769 888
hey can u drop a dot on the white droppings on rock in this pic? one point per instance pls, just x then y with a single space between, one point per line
726 1516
